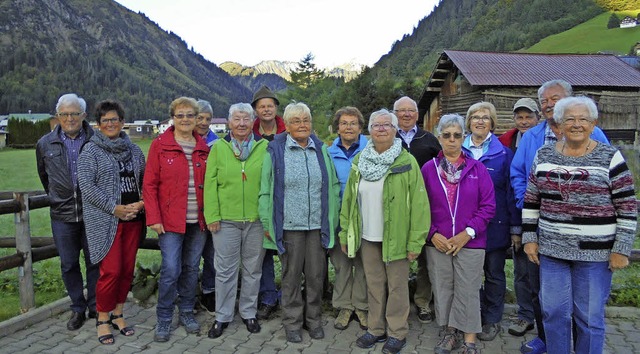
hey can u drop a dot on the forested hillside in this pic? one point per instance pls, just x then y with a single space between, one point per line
100 49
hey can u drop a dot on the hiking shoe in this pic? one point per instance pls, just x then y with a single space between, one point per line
520 327
534 346
368 340
189 322
208 302
265 311
342 320
469 348
361 317
393 345
451 340
316 333
294 336
425 315
163 331
489 331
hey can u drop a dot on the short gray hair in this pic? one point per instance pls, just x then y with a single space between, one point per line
71 99
565 86
296 109
571 102
405 98
450 120
383 113
205 107
242 108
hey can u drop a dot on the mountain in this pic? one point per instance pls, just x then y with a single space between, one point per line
100 49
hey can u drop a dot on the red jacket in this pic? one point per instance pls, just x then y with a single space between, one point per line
166 180
508 138
280 127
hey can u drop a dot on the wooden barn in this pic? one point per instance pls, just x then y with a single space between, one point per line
462 78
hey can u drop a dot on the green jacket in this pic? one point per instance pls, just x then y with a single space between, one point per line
407 215
227 194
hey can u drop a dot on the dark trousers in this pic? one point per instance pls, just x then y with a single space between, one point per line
494 288
70 238
268 292
208 282
522 286
534 282
303 255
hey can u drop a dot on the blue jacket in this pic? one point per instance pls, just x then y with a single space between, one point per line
210 138
531 141
342 162
508 218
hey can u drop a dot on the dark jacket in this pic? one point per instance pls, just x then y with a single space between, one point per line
423 147
51 159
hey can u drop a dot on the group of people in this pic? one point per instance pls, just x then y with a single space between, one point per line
555 192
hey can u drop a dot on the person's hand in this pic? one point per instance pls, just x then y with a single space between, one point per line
158 228
214 227
531 249
516 242
618 261
343 247
266 234
458 241
122 212
440 242
411 256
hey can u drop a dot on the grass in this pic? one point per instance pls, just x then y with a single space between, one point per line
591 37
18 173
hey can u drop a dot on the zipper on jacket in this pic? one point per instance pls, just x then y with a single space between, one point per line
244 179
306 163
452 213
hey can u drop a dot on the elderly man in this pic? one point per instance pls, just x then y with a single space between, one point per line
547 132
526 115
208 283
57 157
423 146
265 104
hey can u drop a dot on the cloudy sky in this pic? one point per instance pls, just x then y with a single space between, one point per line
249 31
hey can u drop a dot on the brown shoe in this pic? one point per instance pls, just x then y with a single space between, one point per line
342 320
361 316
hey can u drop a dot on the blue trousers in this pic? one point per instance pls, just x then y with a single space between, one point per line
268 292
494 287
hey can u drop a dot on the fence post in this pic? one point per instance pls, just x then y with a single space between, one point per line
23 246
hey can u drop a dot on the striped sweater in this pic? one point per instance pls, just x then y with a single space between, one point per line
583 208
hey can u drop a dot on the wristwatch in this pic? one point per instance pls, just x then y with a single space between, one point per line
471 232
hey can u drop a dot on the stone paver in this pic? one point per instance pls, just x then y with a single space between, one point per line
51 336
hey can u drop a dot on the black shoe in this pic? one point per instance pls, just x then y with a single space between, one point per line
316 333
393 345
368 340
76 321
294 336
125 331
92 314
252 325
208 302
265 311
217 328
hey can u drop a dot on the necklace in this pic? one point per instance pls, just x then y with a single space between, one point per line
586 150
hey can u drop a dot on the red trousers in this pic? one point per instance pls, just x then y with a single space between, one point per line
116 269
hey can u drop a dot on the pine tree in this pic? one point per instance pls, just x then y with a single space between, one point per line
306 73
614 22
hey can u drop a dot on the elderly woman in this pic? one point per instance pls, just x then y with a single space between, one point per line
299 211
462 204
234 165
580 199
385 215
485 147
350 287
208 285
173 194
110 170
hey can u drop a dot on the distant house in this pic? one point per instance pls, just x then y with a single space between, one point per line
462 78
142 128
218 125
628 22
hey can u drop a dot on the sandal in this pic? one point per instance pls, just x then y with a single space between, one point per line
106 339
126 331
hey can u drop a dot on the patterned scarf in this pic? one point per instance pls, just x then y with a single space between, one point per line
118 147
452 171
241 149
373 166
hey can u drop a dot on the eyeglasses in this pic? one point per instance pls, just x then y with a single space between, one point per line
478 119
381 126
448 135
349 124
110 121
204 118
576 120
305 121
69 115
403 111
183 116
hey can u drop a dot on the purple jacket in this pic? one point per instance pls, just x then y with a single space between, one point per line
475 205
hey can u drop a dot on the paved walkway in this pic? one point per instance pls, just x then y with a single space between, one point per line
51 336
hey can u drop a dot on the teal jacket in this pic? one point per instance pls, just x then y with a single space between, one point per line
271 201
231 186
407 216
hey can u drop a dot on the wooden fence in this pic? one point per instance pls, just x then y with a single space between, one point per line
33 249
